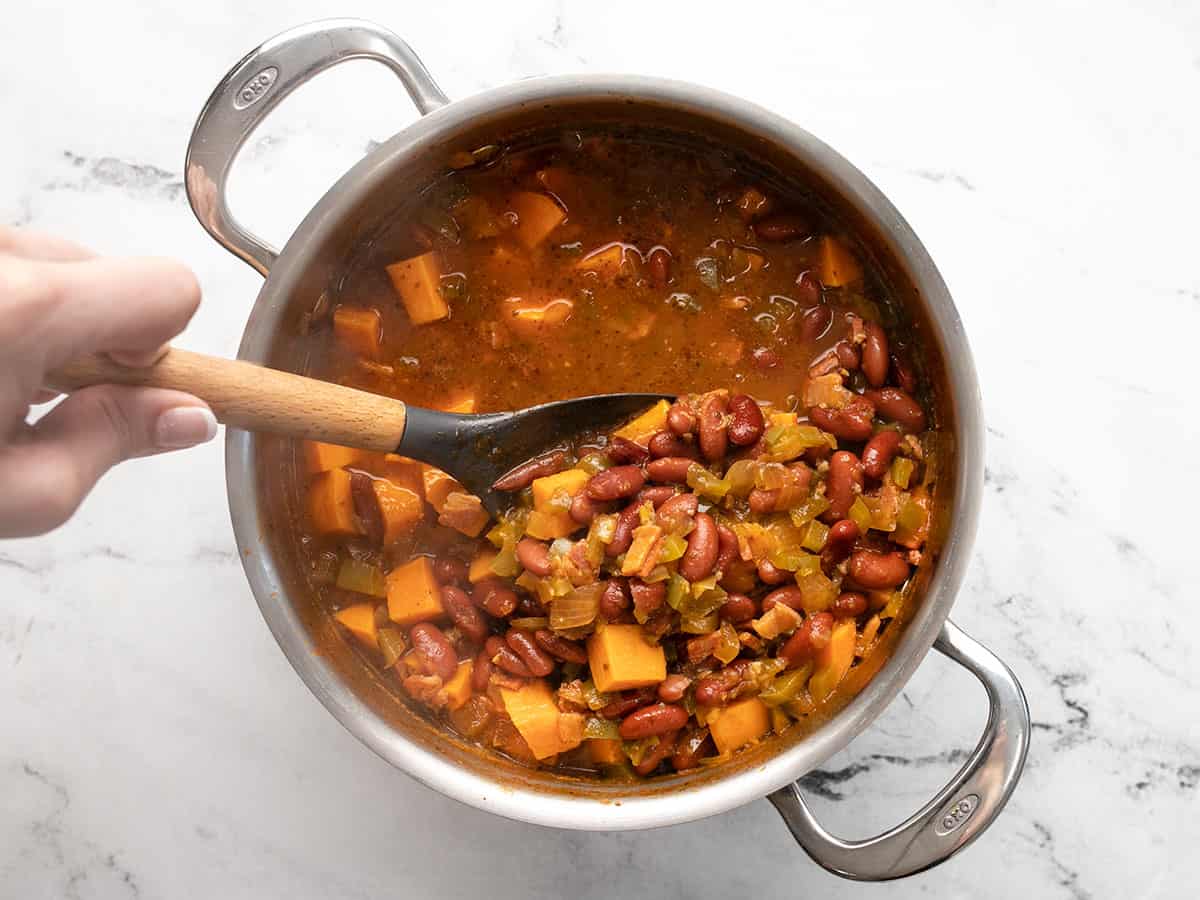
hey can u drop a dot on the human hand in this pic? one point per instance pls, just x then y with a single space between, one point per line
57 302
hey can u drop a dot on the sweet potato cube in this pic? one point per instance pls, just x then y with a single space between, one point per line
534 713
739 724
402 471
400 508
464 513
833 661
321 457
481 565
620 658
358 330
529 320
458 688
439 486
537 216
645 426
417 281
782 418
610 260
605 751
550 520
413 594
569 481
331 505
359 620
836 265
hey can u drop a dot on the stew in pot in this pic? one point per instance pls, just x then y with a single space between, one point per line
661 596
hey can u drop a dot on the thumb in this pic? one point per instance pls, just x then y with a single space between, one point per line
45 477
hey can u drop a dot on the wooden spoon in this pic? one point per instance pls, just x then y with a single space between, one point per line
475 449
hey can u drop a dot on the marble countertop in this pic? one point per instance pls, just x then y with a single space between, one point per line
157 744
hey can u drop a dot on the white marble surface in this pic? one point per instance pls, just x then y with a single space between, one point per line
155 743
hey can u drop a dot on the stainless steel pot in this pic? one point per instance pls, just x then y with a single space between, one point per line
363 197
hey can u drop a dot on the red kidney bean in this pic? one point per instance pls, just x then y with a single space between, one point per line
850 423
847 354
530 606
583 509
814 323
366 506
727 546
899 406
801 475
615 599
672 689
782 227
878 453
615 483
902 374
667 444
849 605
843 484
877 571
814 455
840 541
738 608
724 685
534 657
769 573
789 596
679 506
522 476
689 749
656 495
680 419
739 576
875 355
434 648
808 290
448 570
713 431
660 751
463 613
534 556
651 720
812 636
627 520
658 267
762 500
671 469
560 647
701 554
507 661
647 598
764 357
481 671
628 702
494 598
622 450
746 423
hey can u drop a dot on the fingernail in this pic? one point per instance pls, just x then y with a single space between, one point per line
185 426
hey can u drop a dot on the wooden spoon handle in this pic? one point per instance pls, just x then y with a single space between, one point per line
256 398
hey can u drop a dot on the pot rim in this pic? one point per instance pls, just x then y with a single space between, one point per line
545 805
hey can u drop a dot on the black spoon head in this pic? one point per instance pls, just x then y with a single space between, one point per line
478 449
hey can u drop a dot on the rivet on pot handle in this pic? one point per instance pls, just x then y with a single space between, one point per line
255 86
960 812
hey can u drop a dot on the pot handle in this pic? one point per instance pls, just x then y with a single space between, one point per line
960 812
252 88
